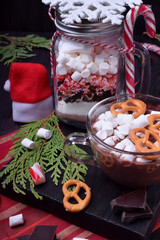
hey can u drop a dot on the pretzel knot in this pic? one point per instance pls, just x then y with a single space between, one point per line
148 143
136 106
154 123
81 203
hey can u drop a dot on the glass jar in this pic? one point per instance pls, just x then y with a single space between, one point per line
85 73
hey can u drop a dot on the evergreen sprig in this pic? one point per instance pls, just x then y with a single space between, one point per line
49 153
14 48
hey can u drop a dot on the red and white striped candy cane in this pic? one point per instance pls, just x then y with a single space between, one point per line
130 20
152 47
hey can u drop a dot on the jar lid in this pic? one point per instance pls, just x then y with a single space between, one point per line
86 27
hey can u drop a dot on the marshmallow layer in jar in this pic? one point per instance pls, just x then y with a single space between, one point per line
84 73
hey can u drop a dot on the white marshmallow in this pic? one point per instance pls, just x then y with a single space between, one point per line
130 148
61 69
102 134
98 125
155 112
86 58
62 58
109 141
103 68
139 159
71 46
118 134
128 144
85 73
107 125
105 55
99 59
124 129
71 63
44 133
124 118
28 143
76 76
114 122
127 157
140 122
113 60
119 146
115 138
92 67
112 69
79 66
108 116
16 220
101 116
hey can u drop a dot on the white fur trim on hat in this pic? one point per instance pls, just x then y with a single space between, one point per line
26 112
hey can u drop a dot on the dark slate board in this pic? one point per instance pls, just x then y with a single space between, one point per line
97 217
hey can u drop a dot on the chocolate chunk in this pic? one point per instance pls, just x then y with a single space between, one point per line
135 200
128 217
24 237
42 232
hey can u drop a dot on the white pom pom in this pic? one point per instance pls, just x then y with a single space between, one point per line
7 85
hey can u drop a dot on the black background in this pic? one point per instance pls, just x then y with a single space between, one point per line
32 16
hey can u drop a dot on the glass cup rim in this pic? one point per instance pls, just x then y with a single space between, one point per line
105 145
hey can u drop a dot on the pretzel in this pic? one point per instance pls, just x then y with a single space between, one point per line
108 161
117 106
81 203
154 127
131 105
134 137
145 145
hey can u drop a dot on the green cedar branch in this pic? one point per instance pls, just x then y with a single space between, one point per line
15 48
49 153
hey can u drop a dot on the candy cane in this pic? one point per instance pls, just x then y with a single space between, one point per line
130 20
152 47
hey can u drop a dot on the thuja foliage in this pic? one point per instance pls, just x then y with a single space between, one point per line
14 48
49 153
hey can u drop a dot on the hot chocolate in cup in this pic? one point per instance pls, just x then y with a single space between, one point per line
125 166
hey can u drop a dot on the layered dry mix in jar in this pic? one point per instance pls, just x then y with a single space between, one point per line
84 73
129 129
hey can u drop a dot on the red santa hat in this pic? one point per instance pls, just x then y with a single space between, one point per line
30 92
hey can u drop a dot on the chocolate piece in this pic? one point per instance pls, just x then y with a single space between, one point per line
128 217
135 200
24 237
42 232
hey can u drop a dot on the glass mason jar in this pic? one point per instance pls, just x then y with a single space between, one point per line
85 73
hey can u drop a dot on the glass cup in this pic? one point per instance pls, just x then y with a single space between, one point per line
136 173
